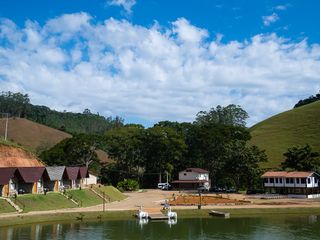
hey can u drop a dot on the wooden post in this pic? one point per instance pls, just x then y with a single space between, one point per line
104 201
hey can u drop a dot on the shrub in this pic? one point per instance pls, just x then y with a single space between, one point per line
128 185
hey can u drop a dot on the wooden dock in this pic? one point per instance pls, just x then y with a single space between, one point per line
219 214
156 214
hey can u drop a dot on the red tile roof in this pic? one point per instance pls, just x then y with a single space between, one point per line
73 173
84 172
287 174
6 174
31 174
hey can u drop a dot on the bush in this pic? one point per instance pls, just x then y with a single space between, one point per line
128 185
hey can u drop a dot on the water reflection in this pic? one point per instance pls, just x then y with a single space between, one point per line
267 227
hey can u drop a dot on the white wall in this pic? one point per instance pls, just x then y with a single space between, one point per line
90 180
184 175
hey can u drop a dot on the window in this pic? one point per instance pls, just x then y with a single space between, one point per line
280 180
309 180
277 180
271 180
266 180
303 181
291 180
185 174
316 180
298 180
287 180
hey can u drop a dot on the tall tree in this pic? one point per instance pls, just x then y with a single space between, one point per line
302 158
232 115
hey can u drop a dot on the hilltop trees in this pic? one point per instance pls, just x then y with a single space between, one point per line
18 105
308 100
302 158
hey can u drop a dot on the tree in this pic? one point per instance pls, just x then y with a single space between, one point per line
125 146
301 158
241 164
80 150
232 115
14 103
163 148
308 100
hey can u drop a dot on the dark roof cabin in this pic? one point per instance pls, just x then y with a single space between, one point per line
84 172
28 178
6 174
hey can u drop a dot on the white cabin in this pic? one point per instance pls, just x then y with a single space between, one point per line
192 178
293 184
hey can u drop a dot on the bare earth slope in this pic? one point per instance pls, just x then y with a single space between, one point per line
17 157
32 135
298 126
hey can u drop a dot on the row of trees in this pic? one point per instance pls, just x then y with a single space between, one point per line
18 105
217 141
308 100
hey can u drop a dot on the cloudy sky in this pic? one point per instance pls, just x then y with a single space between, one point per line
153 60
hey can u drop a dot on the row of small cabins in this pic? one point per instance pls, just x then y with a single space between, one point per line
17 180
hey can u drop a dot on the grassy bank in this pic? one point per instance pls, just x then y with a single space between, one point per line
86 197
50 201
127 215
113 193
5 207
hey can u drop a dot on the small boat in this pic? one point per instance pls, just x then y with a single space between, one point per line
219 214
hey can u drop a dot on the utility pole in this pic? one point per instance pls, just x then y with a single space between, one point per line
104 201
167 177
6 131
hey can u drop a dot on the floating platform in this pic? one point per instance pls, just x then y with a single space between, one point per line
158 217
219 214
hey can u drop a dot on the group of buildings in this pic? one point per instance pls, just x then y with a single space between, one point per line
19 180
297 184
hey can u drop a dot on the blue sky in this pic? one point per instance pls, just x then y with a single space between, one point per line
158 59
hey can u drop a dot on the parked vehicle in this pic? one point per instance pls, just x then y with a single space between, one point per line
166 187
203 189
161 185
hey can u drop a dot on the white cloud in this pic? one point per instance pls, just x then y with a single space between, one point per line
282 7
268 20
125 4
153 73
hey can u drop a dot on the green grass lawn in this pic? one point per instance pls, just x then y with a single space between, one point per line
5 207
51 201
113 193
87 197
298 126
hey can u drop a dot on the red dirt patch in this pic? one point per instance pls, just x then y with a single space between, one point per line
17 157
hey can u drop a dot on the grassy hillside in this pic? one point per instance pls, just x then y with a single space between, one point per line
298 126
32 135
37 202
113 193
87 197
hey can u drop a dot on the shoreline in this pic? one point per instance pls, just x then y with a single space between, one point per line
110 215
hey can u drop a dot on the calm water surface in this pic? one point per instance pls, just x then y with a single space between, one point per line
264 227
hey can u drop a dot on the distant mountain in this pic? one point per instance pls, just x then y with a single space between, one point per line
18 105
298 126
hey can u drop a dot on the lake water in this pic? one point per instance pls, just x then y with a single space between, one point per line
264 227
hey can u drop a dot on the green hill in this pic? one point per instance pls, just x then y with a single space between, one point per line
298 126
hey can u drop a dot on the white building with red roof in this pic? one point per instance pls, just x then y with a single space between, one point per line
293 184
192 178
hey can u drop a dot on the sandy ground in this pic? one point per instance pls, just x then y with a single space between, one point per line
152 199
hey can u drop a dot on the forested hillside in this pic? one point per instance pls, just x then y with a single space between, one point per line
18 105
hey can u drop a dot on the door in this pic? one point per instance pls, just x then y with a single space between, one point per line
5 190
34 189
